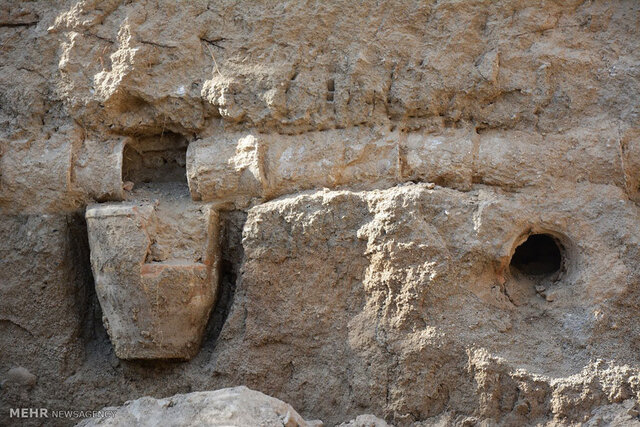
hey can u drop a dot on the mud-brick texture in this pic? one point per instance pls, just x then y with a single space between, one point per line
45 285
401 303
524 114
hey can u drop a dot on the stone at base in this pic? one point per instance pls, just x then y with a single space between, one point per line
237 406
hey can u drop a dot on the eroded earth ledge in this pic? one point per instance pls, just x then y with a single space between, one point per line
405 212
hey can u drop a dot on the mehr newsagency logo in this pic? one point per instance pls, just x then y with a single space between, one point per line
65 413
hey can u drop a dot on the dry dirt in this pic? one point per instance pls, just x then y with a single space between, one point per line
423 211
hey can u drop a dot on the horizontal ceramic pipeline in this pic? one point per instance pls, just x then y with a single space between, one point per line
251 165
262 166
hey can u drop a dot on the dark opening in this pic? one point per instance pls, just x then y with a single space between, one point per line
539 255
155 159
331 88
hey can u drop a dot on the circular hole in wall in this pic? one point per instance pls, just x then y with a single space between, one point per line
539 256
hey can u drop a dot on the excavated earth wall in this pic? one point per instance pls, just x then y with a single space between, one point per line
422 210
